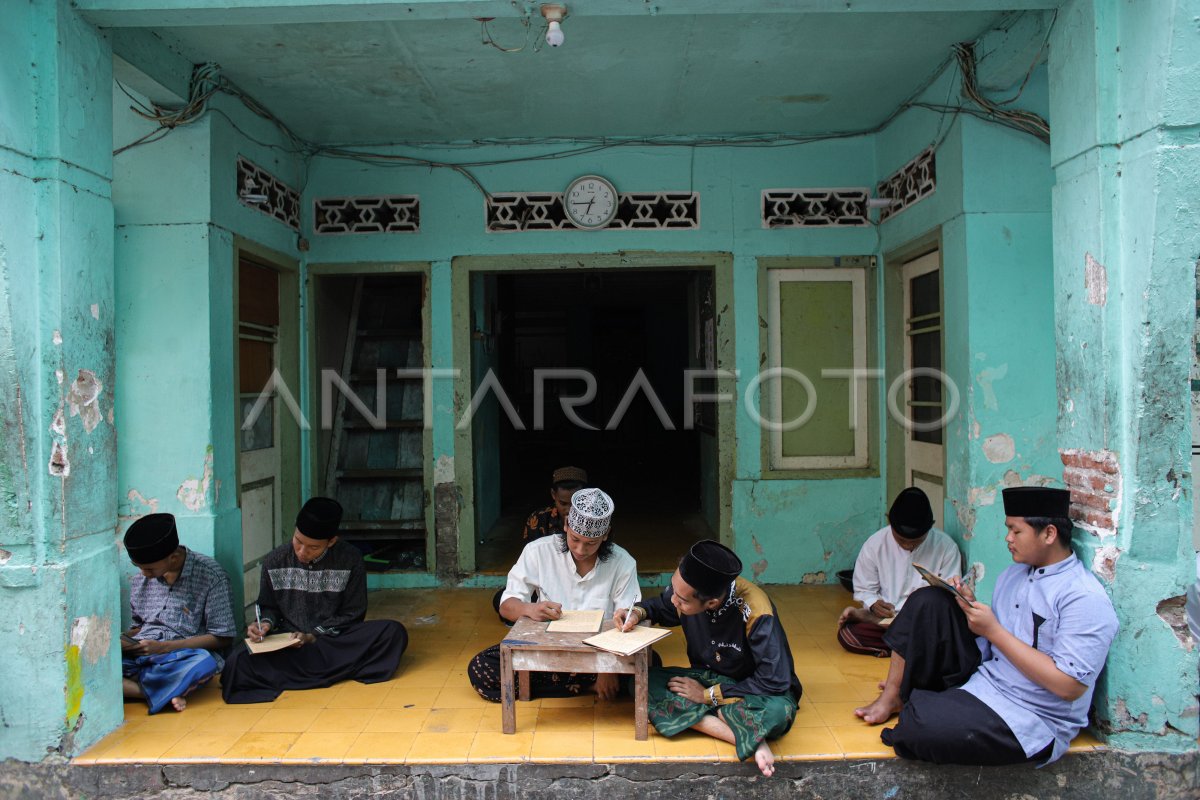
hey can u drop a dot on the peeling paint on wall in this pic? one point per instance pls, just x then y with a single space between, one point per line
95 311
148 505
58 425
193 492
813 577
84 399
60 467
1104 562
1173 612
57 337
966 517
1095 280
975 572
92 635
999 448
986 378
5 557
443 470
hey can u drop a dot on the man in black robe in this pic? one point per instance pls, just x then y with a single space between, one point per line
741 687
314 588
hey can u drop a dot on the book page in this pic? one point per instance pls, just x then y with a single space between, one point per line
275 641
628 643
934 580
577 622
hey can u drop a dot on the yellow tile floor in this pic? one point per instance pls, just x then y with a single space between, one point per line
428 713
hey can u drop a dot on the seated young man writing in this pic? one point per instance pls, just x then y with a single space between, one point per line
741 687
1007 684
314 588
884 576
182 616
579 569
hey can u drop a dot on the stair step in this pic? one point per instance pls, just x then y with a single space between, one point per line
364 473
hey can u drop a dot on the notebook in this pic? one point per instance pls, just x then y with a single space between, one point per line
627 643
577 622
271 643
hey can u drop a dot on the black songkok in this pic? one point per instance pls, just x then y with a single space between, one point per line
1036 501
319 518
151 538
911 515
709 567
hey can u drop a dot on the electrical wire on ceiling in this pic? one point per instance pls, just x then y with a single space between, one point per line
207 80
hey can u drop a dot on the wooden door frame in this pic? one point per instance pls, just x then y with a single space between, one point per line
894 342
289 369
462 269
312 385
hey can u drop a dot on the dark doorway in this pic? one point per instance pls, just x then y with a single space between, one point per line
609 324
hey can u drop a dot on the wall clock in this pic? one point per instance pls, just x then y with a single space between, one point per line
590 202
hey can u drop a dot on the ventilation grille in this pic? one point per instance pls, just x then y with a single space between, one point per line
262 191
814 208
543 211
342 215
915 180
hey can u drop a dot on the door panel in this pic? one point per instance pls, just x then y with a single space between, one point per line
924 451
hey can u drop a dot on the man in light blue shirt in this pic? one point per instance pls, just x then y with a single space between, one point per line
1020 689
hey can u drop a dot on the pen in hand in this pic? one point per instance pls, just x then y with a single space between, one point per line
629 615
257 623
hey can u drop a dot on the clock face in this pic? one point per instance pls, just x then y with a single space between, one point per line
590 202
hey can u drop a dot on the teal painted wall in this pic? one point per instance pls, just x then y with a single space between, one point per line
1124 101
177 216
991 214
159 334
58 571
730 181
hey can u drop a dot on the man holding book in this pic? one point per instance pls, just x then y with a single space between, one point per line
313 589
1006 684
578 569
883 573
741 686
182 616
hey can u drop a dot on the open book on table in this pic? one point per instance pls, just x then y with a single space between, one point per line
577 622
628 642
934 580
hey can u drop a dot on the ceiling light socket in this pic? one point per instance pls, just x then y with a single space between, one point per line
554 13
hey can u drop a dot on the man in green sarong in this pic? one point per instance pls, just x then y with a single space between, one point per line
741 687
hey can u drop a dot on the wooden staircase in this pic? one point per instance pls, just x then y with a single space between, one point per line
375 466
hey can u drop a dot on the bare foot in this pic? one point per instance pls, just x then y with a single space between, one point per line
178 703
886 706
765 760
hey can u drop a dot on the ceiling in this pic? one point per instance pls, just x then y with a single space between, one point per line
678 74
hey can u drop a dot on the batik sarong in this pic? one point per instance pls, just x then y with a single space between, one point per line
752 719
165 676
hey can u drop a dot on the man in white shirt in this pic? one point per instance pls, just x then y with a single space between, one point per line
579 569
884 576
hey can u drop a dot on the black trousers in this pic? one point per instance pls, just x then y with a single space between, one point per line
368 652
940 722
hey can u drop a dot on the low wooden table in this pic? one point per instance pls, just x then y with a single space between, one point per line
529 647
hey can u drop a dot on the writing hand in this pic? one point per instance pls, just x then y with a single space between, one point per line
883 609
626 619
545 610
965 588
257 630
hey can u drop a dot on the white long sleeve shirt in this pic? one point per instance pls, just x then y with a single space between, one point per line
884 569
544 569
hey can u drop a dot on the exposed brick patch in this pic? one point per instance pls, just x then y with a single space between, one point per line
1094 478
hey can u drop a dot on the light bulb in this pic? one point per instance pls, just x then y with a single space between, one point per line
554 34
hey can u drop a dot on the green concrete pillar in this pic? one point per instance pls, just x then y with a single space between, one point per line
58 559
1125 106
